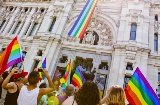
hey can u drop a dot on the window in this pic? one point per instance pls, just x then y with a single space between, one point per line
129 66
16 28
2 24
156 17
39 53
42 10
126 80
103 66
64 59
155 42
52 24
11 9
36 62
34 29
26 9
133 31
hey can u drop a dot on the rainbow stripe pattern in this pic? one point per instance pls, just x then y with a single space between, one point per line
41 74
81 24
43 65
11 56
78 78
66 78
139 92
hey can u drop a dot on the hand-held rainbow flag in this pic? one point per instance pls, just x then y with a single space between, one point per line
66 78
11 55
81 24
43 65
78 78
139 92
41 74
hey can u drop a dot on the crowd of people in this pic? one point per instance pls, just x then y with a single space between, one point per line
25 91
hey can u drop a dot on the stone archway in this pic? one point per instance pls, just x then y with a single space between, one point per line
103 31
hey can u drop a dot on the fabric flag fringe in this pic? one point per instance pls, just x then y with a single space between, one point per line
139 92
78 78
81 24
11 55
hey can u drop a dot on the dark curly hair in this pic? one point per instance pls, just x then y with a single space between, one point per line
88 94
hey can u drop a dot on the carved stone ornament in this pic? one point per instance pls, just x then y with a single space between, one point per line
98 33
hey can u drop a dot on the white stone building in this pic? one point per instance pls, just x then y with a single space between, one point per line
124 35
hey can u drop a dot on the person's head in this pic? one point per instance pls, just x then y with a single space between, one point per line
43 85
33 78
116 96
88 94
69 90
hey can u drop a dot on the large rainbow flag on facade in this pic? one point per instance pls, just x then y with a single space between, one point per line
41 74
66 78
81 24
11 55
139 92
78 78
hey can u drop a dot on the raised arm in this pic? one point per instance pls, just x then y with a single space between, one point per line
5 83
51 86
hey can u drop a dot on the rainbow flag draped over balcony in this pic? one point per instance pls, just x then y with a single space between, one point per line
66 78
139 92
11 55
81 24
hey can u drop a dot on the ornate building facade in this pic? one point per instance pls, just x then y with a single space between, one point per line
122 35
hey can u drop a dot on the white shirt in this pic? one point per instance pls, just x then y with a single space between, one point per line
28 97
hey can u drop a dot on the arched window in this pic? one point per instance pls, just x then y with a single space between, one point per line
2 24
16 28
155 42
156 17
133 31
52 24
34 29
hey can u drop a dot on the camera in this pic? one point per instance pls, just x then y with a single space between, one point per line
40 70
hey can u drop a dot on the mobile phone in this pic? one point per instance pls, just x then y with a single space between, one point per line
40 70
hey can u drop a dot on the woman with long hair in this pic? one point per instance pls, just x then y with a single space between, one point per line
115 96
88 94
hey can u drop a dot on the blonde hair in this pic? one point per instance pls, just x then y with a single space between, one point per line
116 96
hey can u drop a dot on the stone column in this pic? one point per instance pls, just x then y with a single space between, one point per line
48 17
29 58
53 55
27 22
114 70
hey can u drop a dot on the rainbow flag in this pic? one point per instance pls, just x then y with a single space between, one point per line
78 78
11 55
139 92
66 78
41 74
43 65
81 24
